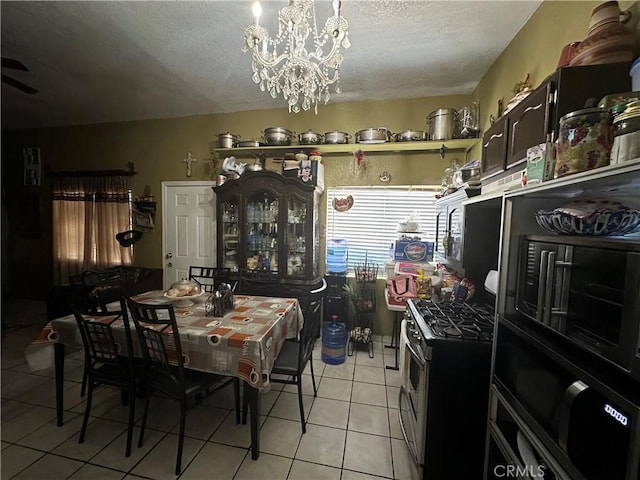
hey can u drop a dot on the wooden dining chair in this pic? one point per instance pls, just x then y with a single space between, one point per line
209 277
297 353
159 338
90 299
106 361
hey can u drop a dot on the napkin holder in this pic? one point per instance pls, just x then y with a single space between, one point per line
220 301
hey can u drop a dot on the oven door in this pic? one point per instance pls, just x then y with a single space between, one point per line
412 401
586 425
588 294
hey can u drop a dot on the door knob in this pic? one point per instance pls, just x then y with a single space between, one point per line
169 255
169 264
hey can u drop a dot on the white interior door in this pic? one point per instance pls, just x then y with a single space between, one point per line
188 228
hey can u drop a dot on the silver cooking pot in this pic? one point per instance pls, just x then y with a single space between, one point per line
277 136
442 123
411 136
336 137
373 135
310 138
227 140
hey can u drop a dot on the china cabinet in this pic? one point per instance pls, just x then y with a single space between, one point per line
269 223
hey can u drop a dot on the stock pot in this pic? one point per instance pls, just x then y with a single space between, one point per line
373 135
310 138
411 136
277 136
227 140
336 137
442 123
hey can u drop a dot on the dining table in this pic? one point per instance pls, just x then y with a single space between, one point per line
243 342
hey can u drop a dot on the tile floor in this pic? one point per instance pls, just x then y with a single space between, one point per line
352 432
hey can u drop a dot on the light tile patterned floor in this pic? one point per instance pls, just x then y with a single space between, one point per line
352 431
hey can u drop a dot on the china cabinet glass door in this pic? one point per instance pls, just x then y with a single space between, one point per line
261 232
296 237
230 234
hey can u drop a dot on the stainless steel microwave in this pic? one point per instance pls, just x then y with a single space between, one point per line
587 290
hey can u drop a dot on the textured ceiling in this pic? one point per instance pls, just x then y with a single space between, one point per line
116 61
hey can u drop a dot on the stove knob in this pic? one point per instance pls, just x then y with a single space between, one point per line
416 335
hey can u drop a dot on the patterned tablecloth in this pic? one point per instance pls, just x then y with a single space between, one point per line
243 343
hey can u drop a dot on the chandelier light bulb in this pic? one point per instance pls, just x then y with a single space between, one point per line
257 11
299 62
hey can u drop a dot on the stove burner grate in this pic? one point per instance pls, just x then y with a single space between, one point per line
457 320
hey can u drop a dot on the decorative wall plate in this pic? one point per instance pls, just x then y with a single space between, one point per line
385 177
343 204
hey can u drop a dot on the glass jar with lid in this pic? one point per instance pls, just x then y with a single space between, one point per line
626 134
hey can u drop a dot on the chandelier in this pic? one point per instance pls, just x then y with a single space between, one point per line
287 65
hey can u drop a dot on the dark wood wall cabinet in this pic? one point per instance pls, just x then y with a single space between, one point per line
268 229
536 119
468 233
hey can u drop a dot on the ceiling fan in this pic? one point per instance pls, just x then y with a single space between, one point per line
16 65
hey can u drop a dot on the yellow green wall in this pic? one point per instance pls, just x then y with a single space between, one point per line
535 50
157 147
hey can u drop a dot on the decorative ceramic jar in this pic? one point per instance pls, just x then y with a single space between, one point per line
605 14
584 141
608 40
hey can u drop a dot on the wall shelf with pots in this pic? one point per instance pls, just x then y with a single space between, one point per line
348 148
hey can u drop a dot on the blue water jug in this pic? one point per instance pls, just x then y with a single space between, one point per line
334 341
337 255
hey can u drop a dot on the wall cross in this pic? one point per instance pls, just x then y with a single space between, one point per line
189 160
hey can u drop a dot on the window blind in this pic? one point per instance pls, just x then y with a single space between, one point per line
371 224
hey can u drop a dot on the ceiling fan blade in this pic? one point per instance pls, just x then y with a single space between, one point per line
15 64
18 85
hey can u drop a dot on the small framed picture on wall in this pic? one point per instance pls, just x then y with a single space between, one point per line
31 157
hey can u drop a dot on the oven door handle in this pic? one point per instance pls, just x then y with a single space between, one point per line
416 354
542 283
571 394
403 427
404 339
550 271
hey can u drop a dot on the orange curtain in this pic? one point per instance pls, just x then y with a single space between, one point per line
88 212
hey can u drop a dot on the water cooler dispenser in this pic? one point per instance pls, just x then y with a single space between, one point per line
337 250
335 301
336 312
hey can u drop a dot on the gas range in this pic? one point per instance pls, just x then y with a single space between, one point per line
445 371
450 321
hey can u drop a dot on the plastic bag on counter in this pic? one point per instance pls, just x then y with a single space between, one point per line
411 223
462 291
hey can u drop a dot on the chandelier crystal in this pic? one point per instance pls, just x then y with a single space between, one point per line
287 65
